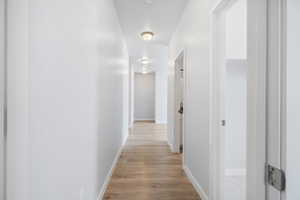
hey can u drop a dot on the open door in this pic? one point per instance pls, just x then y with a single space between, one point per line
179 103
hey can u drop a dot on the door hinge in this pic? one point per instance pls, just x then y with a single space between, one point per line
275 177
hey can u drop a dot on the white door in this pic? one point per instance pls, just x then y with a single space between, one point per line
179 102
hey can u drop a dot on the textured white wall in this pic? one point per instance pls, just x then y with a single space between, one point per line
192 34
161 85
293 99
144 96
68 74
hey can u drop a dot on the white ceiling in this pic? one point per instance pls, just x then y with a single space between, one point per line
158 16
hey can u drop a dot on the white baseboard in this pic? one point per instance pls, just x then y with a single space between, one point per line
195 183
235 172
109 175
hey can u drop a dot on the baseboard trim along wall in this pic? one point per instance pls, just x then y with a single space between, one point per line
110 173
195 183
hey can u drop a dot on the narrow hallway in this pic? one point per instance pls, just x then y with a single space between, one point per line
148 170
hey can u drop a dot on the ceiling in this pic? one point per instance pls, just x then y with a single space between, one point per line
158 16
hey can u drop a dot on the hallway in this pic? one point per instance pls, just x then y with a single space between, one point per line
148 170
98 97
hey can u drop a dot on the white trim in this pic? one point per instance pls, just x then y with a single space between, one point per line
185 62
110 173
195 183
235 172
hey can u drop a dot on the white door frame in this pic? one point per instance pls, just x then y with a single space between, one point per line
256 97
276 87
3 99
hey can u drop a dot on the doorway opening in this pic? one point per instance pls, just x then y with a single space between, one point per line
179 103
229 106
144 102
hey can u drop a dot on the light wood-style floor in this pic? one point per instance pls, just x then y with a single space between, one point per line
147 170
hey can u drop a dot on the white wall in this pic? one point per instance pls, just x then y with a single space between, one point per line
144 96
2 64
161 86
192 34
236 30
68 74
293 99
235 111
161 97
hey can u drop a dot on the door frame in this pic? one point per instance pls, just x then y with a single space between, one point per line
256 97
3 104
277 62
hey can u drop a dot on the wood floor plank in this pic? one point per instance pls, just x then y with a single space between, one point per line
148 170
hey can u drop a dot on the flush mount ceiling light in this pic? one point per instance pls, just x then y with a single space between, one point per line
147 35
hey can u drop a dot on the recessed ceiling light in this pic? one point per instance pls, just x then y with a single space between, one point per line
147 36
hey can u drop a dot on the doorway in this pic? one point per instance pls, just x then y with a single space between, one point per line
229 101
144 97
179 103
